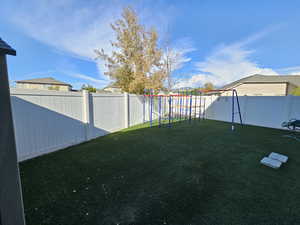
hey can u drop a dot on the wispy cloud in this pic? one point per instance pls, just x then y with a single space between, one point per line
90 79
295 70
78 28
34 74
228 63
179 51
85 79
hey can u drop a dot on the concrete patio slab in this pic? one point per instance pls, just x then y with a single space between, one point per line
273 163
279 157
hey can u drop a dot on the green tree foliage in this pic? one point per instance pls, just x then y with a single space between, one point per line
196 91
208 86
296 91
136 64
89 88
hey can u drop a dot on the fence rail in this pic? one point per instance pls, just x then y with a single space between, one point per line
46 121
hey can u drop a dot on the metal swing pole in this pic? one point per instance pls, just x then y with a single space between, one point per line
191 102
162 108
144 107
165 107
195 113
159 111
200 102
177 105
175 108
172 109
232 111
238 104
186 104
204 109
169 124
151 109
234 94
180 106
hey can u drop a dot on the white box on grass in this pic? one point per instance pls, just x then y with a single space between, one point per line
279 157
273 163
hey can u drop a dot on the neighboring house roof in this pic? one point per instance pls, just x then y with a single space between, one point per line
6 49
102 91
113 85
257 78
47 80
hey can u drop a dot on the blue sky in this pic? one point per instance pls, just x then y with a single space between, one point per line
216 41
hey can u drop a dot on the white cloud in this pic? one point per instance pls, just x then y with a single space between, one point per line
178 53
295 70
77 28
227 63
69 27
90 79
86 78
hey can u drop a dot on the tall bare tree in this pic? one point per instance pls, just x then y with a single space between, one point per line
171 59
136 64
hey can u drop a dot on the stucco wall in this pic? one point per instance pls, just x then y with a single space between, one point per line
260 89
43 87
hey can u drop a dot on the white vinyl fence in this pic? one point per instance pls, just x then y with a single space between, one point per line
266 111
46 121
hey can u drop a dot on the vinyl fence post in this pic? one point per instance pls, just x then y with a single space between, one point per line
11 202
126 101
287 108
87 114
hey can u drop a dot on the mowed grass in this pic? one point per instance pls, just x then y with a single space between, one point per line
198 173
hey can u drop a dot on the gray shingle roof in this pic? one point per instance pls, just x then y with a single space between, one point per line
6 49
258 78
46 80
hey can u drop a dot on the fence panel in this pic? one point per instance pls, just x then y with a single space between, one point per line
46 121
108 113
266 111
136 109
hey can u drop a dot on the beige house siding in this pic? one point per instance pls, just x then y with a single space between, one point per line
113 89
261 89
43 86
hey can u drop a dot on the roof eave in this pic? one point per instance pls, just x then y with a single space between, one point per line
266 82
5 51
24 82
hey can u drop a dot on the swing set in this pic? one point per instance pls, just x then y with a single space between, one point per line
166 109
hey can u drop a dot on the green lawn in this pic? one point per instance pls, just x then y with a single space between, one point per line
199 173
